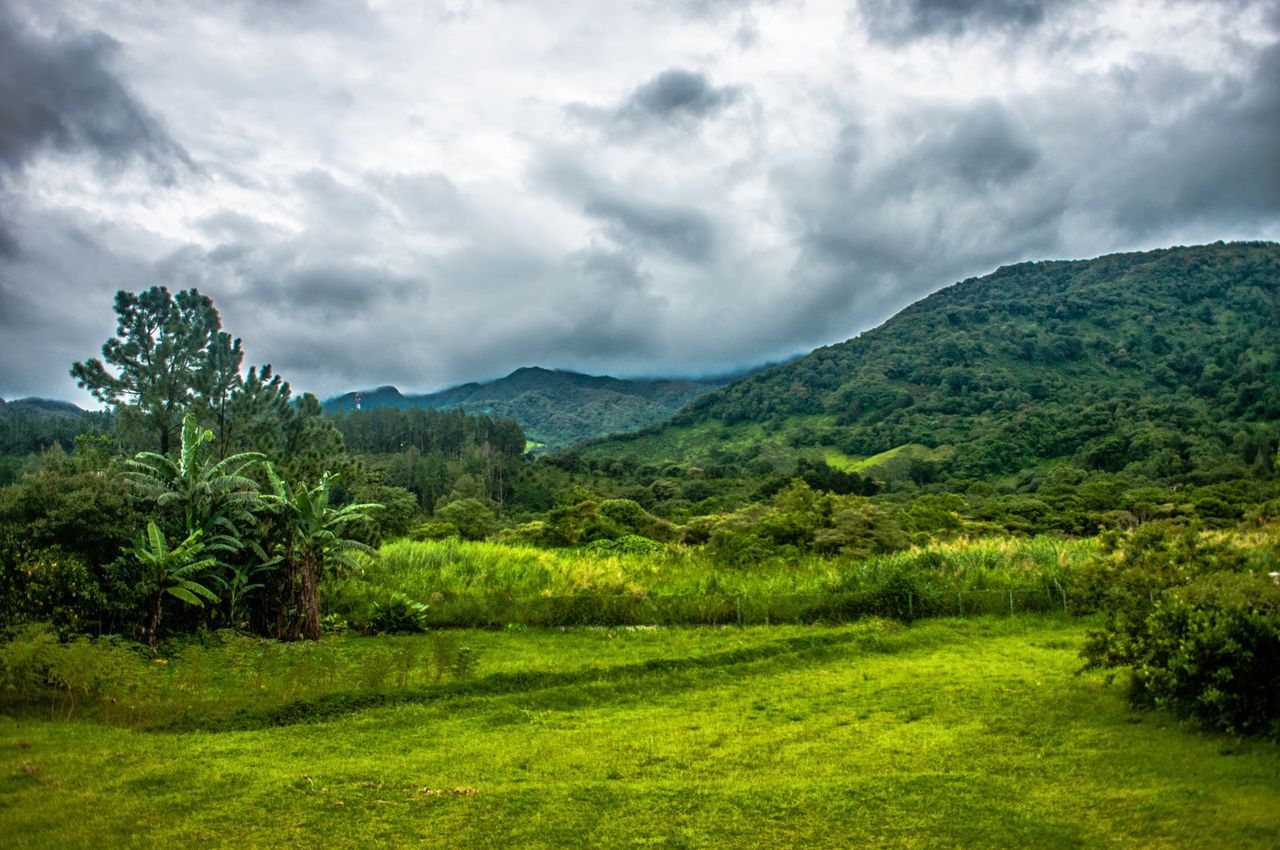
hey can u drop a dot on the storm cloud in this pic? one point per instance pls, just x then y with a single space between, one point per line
60 92
426 195
901 20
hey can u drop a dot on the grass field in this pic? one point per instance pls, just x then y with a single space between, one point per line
948 733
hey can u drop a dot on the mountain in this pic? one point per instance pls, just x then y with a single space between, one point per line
1163 365
41 407
555 408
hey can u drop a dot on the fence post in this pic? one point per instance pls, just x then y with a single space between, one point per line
960 602
1011 603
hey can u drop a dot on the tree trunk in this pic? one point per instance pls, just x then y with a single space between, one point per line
155 622
310 598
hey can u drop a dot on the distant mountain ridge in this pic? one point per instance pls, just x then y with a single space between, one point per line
1164 365
556 408
44 407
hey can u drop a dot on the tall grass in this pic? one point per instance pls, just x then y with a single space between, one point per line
490 584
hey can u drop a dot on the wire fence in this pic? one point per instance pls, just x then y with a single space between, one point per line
625 609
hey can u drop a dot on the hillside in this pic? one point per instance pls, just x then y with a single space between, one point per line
1164 365
41 408
555 408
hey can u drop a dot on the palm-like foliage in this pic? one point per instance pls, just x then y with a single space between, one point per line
214 497
171 571
314 540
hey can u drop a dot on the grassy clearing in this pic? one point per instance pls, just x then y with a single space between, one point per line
948 733
897 456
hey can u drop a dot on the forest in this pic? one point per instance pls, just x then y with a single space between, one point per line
1080 455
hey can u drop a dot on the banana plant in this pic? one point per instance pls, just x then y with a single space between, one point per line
216 498
313 540
171 571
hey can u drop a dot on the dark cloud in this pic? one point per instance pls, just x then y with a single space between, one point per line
938 192
9 247
676 99
55 300
677 94
629 218
289 280
61 93
981 147
1218 160
678 231
396 196
897 21
611 313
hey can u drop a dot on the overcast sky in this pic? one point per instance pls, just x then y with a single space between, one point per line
429 193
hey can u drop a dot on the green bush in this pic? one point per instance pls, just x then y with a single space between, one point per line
1212 652
59 587
473 518
1195 618
398 615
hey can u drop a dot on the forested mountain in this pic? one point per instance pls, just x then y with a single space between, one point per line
1164 365
555 408
41 407
35 424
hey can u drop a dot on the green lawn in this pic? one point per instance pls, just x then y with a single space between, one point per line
950 733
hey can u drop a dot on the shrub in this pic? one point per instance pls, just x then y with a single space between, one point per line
627 544
473 518
1196 621
24 660
434 530
398 615
59 587
1212 651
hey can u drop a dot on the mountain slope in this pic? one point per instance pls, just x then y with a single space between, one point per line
1164 364
41 408
555 408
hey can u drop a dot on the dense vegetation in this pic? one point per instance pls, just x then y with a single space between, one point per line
555 408
214 499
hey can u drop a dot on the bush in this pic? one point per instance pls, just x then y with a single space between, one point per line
1212 652
59 587
1197 622
473 518
627 544
398 615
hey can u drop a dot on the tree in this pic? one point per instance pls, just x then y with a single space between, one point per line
159 353
313 538
219 382
169 571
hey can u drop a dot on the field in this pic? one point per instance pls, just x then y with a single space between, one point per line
946 733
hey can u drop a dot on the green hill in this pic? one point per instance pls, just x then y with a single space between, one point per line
1164 365
555 408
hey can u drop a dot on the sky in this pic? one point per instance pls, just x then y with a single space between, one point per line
423 194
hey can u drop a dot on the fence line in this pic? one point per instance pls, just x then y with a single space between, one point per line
625 609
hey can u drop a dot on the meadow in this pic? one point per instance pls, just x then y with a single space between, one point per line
946 733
